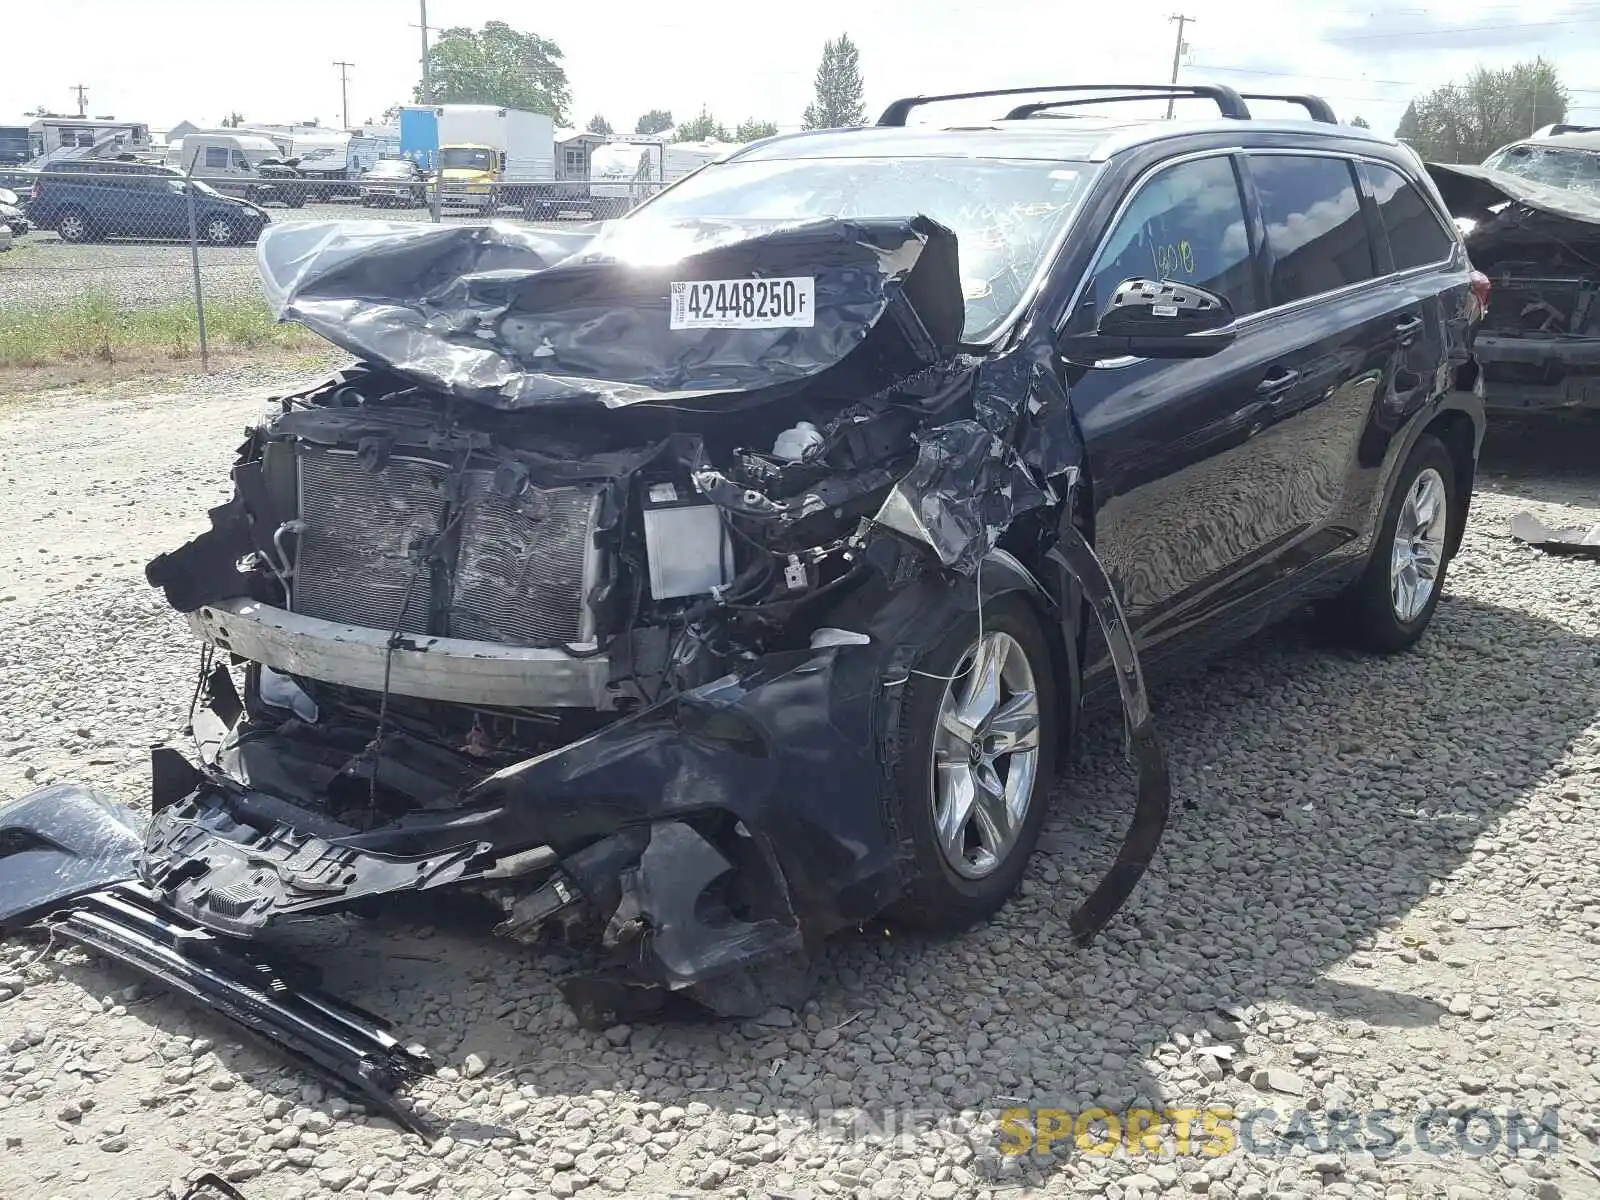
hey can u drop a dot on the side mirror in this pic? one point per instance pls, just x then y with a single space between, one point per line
1147 318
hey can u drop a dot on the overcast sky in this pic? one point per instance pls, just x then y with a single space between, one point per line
187 59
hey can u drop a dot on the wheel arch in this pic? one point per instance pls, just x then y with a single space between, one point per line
1456 430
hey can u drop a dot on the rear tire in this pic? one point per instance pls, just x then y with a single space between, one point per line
73 226
952 758
219 231
1389 607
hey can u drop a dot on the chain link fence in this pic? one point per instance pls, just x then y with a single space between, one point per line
100 250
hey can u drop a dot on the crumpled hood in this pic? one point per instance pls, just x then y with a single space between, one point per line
1468 190
515 318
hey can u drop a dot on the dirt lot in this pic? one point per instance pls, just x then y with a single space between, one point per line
1384 895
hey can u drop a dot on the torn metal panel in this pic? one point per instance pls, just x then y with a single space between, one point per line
516 318
1579 543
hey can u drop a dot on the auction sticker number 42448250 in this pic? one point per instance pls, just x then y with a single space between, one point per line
788 303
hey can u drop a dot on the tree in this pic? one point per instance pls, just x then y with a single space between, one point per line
1466 122
390 115
1360 122
839 87
657 120
598 124
751 130
233 120
498 65
704 128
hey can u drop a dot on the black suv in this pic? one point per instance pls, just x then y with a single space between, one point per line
92 199
703 582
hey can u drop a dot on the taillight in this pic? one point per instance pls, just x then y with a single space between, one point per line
1481 288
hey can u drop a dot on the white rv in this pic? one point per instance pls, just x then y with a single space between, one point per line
55 138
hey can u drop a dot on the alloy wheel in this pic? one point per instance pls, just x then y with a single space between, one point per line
219 231
985 756
1418 551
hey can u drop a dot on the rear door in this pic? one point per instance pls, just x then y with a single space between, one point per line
1336 339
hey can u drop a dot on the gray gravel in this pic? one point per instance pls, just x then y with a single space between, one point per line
44 271
1386 894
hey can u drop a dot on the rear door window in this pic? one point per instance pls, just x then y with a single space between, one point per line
216 156
1417 236
1187 224
1316 233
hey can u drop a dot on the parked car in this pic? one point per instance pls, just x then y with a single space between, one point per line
1531 216
698 584
90 200
391 182
11 213
248 166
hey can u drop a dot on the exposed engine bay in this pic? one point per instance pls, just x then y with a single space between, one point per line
593 590
1539 245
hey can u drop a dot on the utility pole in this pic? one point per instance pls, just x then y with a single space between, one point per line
1177 54
344 88
427 89
83 98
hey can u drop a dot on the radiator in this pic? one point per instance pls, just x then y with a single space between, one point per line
519 571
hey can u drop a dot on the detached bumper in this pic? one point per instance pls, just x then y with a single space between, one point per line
1523 374
428 668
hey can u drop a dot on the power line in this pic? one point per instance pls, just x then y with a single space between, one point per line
1416 83
1449 30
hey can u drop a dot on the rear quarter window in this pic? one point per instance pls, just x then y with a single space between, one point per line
1417 237
1316 233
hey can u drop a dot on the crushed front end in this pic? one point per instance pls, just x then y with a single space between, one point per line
1539 246
575 598
559 621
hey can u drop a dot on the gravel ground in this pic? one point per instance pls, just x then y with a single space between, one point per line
45 271
1383 892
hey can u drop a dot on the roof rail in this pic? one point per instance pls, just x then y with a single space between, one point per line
1228 101
1321 111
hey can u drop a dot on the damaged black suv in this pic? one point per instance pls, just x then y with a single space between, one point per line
696 585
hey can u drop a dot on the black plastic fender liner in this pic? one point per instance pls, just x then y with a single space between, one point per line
1151 809
61 842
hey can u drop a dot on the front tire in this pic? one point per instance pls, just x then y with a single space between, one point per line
1389 607
974 766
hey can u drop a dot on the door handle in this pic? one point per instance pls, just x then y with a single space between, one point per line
1407 327
1277 383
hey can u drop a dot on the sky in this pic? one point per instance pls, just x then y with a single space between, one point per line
175 60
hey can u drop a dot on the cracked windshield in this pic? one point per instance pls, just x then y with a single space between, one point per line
1005 214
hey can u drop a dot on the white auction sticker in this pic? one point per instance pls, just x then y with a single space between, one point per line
788 303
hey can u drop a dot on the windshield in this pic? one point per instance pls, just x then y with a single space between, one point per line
392 169
463 158
1005 214
1554 166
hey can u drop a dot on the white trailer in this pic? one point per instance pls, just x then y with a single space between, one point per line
628 171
